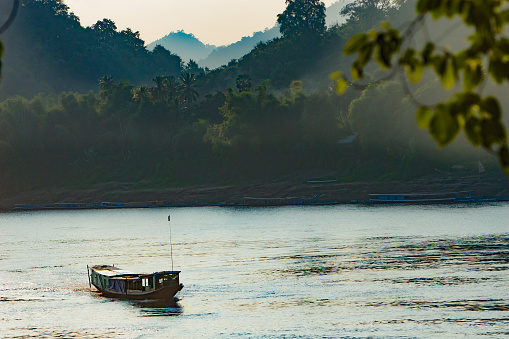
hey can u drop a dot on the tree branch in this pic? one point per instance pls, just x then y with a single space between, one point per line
12 16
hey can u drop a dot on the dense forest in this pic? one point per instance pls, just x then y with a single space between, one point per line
84 106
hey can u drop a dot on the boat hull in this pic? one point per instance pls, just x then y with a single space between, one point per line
167 292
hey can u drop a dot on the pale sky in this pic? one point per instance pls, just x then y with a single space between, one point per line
215 22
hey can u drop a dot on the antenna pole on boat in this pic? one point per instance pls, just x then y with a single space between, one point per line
171 244
88 274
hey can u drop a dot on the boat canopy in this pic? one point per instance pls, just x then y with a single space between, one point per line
110 271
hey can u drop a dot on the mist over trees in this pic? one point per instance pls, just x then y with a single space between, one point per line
106 109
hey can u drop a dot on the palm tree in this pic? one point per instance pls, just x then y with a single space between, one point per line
142 94
165 89
188 93
106 85
158 90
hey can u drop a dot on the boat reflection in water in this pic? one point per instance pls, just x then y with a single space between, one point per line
158 307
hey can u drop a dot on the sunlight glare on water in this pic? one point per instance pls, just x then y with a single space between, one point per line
288 272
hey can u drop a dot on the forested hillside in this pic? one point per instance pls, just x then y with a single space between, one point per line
47 50
109 110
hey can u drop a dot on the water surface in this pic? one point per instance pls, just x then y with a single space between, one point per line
288 272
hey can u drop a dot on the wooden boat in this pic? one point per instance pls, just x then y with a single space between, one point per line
114 282
426 198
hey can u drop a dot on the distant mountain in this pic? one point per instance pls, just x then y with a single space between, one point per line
223 54
187 46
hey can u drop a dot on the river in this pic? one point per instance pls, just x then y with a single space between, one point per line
290 272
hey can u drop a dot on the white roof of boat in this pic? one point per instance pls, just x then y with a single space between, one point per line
109 271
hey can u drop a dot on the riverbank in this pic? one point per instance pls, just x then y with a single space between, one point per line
280 193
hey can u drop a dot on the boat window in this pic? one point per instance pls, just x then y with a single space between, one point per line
144 282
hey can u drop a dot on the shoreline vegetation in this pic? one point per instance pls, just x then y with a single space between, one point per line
99 121
313 192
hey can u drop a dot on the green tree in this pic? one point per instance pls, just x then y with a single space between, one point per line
243 83
132 40
106 29
193 67
378 129
165 89
118 104
368 13
485 58
302 18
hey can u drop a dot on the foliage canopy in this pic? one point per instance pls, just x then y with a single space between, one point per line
302 18
486 56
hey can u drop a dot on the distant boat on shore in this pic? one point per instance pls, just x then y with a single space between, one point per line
101 205
114 282
422 198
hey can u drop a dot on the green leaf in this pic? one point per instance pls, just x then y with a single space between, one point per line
492 107
355 43
439 63
365 53
473 74
387 45
423 116
415 73
492 132
408 57
452 7
335 75
473 131
427 53
498 69
443 126
383 57
504 16
467 104
424 6
341 85
357 71
448 75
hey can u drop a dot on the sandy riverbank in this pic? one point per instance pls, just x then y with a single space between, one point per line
484 186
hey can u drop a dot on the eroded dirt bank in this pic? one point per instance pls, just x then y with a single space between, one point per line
485 186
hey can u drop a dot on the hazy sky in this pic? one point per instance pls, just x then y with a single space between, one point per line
215 22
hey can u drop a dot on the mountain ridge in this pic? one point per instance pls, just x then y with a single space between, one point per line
188 46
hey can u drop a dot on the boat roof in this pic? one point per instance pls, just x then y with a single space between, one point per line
112 271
